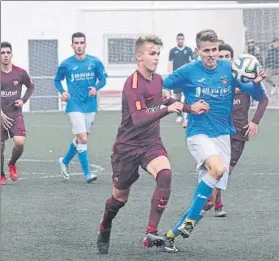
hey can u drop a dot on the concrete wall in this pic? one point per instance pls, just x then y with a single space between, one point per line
58 20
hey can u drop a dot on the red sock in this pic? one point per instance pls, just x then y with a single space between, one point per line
159 199
111 209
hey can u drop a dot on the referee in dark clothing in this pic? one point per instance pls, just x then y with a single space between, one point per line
178 56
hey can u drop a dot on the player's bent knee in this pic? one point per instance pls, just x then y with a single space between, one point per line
164 178
82 138
218 172
158 164
215 167
19 141
121 195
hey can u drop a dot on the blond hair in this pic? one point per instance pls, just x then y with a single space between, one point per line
148 38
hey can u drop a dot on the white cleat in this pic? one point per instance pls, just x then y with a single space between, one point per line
63 169
90 178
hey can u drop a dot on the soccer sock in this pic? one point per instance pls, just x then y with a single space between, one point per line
17 152
159 199
202 194
218 201
83 158
111 209
71 152
2 156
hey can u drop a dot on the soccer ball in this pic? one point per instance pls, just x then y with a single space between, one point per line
245 68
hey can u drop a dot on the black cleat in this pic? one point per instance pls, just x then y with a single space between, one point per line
103 239
186 229
153 239
169 245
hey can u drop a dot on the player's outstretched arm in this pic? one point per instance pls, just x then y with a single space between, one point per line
29 85
198 107
138 108
177 78
60 76
255 89
260 110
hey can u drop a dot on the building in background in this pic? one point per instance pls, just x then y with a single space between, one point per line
41 36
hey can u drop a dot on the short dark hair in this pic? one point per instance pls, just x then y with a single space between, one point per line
77 35
180 35
149 38
207 35
6 45
226 47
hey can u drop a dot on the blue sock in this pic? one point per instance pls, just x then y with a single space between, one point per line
174 230
72 151
202 194
83 158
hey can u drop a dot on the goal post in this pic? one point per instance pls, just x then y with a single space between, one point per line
236 23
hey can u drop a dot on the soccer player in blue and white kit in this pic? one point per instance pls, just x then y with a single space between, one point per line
208 135
85 75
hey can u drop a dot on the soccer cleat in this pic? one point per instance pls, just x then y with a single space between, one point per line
63 169
90 178
13 172
169 245
220 212
186 229
103 239
153 239
3 179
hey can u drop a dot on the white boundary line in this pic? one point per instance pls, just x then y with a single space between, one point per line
98 169
42 175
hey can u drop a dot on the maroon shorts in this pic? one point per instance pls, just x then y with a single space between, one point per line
18 129
127 159
237 147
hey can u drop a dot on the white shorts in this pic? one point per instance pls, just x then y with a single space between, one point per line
202 147
81 122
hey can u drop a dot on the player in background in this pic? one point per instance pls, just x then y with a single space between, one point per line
245 129
208 135
12 123
138 142
178 56
85 75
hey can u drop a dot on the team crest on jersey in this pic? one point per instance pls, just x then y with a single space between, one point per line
224 80
89 68
16 83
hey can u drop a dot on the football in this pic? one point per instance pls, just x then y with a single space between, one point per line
245 68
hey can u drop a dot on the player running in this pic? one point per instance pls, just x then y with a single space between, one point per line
85 75
245 130
12 123
138 142
208 135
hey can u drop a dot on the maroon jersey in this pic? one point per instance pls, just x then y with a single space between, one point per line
11 88
141 101
241 105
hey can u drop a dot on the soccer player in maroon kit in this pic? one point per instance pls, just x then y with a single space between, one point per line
245 129
12 123
138 142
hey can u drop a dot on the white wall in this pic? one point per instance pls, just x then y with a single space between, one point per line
58 20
